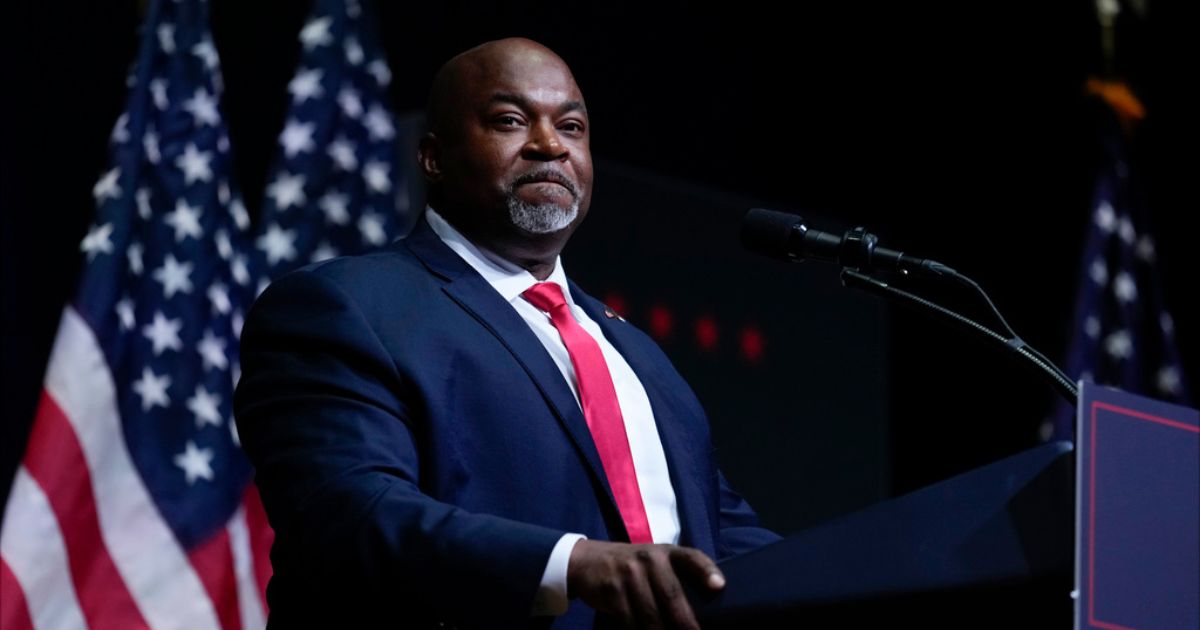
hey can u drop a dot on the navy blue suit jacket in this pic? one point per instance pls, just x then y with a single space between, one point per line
419 453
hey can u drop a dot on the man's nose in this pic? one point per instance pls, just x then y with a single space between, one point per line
544 144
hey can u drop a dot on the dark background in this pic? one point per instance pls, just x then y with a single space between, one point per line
954 130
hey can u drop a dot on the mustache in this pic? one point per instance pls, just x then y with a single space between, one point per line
546 174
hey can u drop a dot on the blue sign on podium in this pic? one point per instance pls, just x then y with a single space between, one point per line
1137 553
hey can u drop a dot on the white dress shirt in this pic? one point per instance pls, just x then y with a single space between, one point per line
649 461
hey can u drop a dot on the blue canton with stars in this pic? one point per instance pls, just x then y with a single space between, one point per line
167 280
335 188
1124 336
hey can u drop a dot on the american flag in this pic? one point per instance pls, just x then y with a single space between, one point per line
1124 337
335 188
133 506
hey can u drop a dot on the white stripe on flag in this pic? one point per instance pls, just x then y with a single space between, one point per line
243 566
33 547
145 551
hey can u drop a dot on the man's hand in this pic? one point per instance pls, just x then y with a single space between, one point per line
640 584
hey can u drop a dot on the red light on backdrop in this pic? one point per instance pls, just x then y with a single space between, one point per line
751 342
662 322
706 333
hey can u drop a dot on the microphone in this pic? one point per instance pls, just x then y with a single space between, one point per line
787 237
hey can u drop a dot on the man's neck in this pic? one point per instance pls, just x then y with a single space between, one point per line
537 254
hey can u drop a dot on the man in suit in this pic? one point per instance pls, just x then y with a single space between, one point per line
450 430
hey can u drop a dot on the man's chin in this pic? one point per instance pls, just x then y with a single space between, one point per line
542 219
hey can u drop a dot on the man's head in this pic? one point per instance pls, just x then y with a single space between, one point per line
507 155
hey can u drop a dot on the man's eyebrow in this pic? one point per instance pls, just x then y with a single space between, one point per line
527 105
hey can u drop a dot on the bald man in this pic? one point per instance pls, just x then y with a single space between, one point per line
450 431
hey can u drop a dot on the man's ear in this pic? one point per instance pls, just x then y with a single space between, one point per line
429 157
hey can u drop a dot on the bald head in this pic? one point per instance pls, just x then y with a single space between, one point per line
453 82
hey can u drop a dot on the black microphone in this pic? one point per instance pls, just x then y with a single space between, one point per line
787 237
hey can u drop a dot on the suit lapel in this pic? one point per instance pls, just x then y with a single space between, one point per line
682 461
482 302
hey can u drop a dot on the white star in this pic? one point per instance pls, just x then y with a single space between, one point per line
97 241
204 405
207 53
163 333
1145 248
186 221
324 251
107 187
241 273
305 85
1125 229
125 313
150 142
371 227
224 245
195 462
1166 323
342 152
1098 271
1119 345
174 276
287 190
153 389
316 33
212 351
354 52
349 102
297 137
236 321
143 203
334 207
158 90
1106 217
1124 287
218 295
240 217
203 108
134 253
379 70
120 131
223 144
166 37
376 175
1091 326
194 164
379 124
1168 380
278 244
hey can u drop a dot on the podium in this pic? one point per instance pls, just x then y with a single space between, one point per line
992 546
996 525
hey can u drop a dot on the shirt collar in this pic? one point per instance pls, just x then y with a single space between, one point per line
508 279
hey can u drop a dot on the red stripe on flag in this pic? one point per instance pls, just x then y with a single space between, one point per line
55 460
261 538
213 561
14 614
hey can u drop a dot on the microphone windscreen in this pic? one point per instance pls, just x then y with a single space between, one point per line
769 232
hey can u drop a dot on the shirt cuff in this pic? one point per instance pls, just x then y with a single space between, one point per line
551 597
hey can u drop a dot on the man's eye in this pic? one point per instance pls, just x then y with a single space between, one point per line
572 126
508 121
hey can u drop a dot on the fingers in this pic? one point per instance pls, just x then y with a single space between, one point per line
668 591
699 566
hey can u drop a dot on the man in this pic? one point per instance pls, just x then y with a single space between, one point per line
450 430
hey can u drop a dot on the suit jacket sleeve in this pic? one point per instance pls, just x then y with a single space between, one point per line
334 432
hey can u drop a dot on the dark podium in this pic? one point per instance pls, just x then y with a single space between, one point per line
948 555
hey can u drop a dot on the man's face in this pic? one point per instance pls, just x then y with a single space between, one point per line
516 154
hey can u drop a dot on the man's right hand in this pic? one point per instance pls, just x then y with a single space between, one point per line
640 584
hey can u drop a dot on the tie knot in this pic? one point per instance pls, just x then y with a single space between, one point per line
547 296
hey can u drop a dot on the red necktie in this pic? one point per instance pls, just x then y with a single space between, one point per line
600 407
